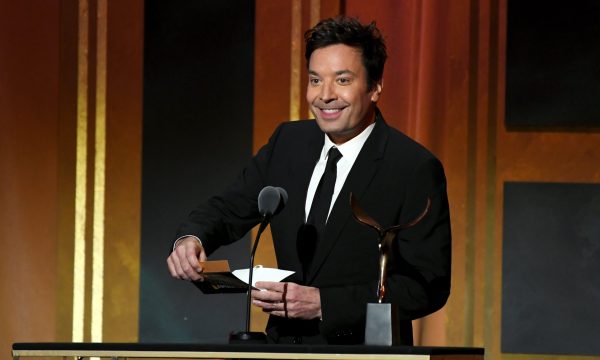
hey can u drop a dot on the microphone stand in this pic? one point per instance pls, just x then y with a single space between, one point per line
248 337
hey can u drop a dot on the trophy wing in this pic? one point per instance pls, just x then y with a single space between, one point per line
361 216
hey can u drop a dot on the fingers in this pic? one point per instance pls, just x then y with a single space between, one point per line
174 262
192 260
268 306
269 293
288 300
179 272
271 285
183 262
277 308
271 299
203 256
171 266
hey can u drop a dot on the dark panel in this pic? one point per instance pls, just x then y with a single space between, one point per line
198 84
550 269
553 64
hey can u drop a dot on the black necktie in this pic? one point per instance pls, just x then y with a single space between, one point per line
312 231
322 200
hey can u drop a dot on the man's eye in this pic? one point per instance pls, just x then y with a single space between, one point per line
313 81
344 81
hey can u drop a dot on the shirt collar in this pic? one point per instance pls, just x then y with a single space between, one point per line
350 148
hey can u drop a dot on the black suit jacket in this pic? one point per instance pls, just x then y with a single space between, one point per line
392 178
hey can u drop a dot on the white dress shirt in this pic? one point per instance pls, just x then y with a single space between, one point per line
350 150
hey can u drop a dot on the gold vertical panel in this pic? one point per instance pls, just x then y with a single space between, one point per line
491 255
296 59
272 36
474 140
68 88
315 12
80 174
99 176
122 167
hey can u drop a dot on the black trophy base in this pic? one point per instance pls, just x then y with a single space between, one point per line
382 325
245 337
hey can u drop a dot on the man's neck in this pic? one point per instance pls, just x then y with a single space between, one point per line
342 138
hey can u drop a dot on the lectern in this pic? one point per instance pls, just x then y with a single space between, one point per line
246 351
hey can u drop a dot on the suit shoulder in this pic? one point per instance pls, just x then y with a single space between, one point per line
402 143
299 129
300 125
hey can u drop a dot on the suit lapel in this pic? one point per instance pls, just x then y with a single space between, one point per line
364 169
300 170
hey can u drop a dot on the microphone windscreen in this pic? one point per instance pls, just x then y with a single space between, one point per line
284 198
271 200
268 200
283 201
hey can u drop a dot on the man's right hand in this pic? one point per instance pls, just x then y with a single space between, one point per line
184 260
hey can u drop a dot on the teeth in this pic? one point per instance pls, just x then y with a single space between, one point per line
330 111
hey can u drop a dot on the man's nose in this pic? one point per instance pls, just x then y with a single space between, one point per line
327 93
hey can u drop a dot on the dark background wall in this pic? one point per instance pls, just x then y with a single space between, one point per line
552 67
445 86
197 135
550 286
550 233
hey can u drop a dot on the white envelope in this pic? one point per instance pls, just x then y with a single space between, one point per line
262 274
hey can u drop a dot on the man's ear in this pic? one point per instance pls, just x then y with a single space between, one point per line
377 91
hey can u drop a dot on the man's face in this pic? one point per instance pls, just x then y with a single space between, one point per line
338 93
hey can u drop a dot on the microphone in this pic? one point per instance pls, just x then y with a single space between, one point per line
271 200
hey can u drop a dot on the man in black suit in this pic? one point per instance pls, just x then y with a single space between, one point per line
335 259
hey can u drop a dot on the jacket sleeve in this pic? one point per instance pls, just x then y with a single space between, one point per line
418 280
227 217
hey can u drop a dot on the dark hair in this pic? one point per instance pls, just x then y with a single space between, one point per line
350 32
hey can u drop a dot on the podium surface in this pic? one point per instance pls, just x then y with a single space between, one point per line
237 351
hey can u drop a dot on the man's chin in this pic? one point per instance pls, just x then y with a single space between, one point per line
328 126
338 136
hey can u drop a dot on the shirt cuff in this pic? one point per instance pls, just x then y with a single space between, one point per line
184 236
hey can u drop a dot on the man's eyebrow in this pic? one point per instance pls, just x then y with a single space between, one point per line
344 72
339 72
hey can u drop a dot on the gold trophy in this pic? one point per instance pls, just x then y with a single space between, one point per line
382 325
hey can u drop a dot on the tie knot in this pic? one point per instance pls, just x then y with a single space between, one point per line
333 156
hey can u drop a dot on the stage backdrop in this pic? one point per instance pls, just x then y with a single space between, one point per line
87 211
198 77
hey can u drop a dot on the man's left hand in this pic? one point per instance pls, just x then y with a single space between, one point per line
288 300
